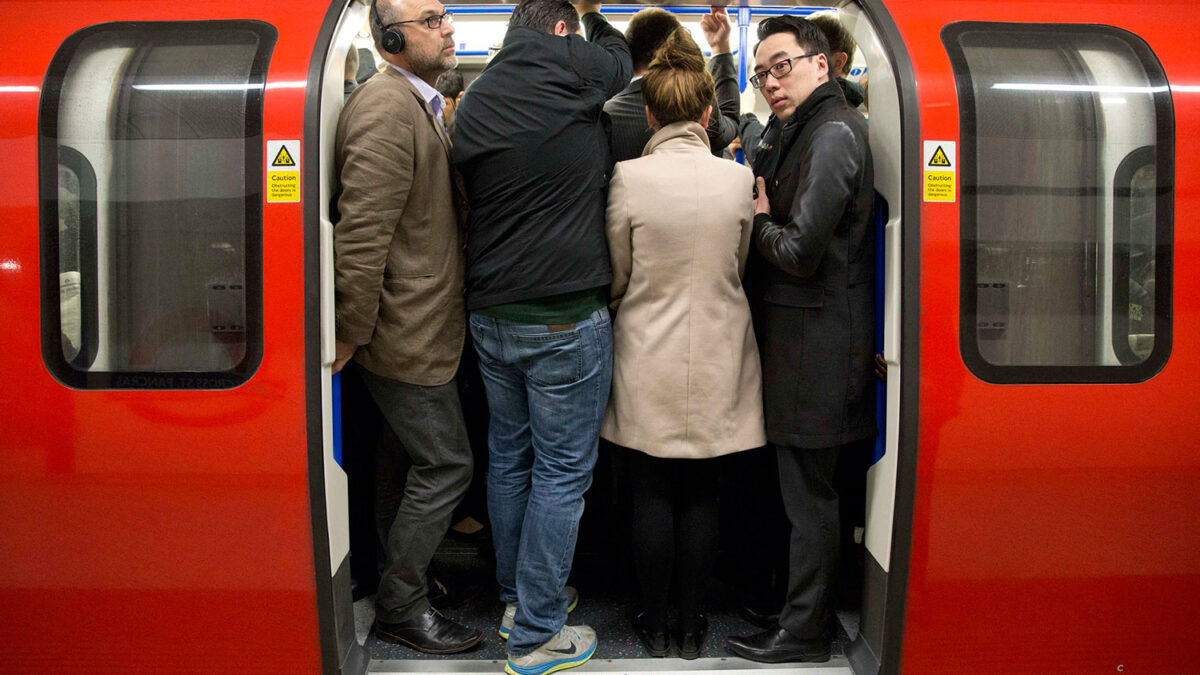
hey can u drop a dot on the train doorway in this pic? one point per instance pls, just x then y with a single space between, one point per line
601 571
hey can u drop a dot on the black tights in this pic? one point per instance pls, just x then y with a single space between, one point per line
674 533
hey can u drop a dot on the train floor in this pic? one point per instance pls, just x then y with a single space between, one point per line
607 600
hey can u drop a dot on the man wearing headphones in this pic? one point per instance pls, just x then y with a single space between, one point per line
399 289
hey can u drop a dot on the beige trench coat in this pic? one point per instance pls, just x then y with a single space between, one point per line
686 376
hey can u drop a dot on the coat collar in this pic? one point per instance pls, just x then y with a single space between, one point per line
430 117
678 136
820 97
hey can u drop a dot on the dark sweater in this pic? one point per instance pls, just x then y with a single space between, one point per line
532 150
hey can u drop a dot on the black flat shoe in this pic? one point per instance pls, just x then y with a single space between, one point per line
655 641
691 643
429 632
776 645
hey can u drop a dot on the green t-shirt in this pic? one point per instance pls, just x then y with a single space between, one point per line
552 310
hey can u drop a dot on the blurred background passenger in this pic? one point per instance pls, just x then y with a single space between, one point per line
647 31
686 377
349 81
450 86
366 64
841 55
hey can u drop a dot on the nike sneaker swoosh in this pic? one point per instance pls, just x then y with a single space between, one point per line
572 650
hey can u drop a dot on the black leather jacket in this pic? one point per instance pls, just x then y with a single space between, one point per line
812 274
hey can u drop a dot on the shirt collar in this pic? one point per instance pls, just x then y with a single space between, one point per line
427 92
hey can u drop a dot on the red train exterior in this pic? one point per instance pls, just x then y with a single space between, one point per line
1040 528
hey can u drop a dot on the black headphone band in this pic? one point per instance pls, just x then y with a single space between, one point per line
390 39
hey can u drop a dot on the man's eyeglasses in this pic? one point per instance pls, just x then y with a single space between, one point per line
777 70
433 22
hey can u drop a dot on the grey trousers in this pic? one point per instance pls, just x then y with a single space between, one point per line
428 421
811 503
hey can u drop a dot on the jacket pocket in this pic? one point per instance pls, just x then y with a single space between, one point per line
794 295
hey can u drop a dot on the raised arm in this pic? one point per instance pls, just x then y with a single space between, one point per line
723 123
610 66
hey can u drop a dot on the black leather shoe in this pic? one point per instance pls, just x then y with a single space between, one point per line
655 641
691 643
429 632
776 645
760 619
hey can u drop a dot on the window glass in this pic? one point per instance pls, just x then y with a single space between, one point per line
165 277
1053 234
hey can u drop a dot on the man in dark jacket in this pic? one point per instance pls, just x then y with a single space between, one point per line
646 32
813 296
531 147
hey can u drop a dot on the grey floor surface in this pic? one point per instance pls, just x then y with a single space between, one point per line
606 603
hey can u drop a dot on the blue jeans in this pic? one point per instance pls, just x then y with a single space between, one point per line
547 391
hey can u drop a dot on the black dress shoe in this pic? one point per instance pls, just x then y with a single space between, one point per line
760 619
691 642
429 632
655 641
776 645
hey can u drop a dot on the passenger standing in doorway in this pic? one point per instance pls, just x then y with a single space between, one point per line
687 385
647 30
813 299
532 150
399 288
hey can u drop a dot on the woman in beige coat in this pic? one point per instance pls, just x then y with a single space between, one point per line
686 381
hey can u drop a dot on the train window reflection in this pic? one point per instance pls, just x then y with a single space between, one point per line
164 276
1066 191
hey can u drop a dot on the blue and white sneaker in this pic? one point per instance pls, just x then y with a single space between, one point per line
510 611
572 646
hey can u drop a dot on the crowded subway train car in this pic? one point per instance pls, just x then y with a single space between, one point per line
174 496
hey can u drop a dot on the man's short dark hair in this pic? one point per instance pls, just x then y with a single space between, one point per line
839 37
542 15
450 83
647 30
807 34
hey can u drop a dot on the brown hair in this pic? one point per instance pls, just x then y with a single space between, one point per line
676 86
647 30
838 36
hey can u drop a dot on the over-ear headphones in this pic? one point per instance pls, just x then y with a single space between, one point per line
391 39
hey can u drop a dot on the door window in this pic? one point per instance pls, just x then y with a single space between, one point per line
1067 136
151 175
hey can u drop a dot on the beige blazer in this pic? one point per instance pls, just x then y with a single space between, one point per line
397 246
686 375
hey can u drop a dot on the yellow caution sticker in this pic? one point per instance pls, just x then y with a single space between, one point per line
283 171
940 165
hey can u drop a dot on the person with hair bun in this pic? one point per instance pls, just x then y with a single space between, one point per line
686 377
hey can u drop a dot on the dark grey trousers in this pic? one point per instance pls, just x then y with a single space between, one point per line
428 421
811 503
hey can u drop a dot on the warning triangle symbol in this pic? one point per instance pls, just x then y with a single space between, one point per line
939 158
285 159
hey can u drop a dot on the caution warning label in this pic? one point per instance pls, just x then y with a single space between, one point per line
283 171
283 158
940 166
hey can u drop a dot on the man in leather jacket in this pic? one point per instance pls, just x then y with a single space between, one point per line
810 282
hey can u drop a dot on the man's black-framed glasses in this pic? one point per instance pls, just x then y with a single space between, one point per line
432 22
777 70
